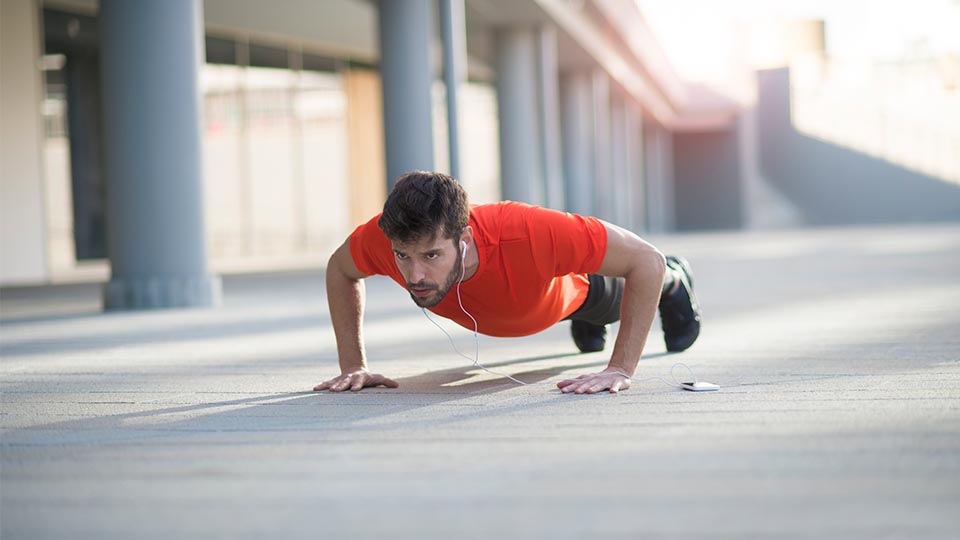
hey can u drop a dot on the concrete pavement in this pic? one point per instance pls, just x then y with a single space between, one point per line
838 353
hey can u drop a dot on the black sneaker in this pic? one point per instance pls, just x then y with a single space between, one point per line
589 337
680 311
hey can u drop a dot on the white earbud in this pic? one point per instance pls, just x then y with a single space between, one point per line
463 246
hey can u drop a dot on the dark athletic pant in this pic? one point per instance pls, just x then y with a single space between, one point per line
602 305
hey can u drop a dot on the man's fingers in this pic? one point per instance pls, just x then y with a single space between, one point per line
584 387
324 385
375 379
341 385
389 383
595 382
355 382
591 388
598 387
573 385
575 380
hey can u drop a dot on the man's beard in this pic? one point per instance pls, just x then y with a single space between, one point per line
452 278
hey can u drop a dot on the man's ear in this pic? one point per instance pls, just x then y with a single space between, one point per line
466 236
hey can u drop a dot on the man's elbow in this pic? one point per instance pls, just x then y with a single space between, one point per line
658 263
650 265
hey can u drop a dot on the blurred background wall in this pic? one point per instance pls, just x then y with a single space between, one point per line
592 106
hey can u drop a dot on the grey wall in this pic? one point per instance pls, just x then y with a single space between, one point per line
834 185
707 180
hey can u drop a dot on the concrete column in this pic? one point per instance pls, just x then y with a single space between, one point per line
620 162
549 83
658 152
454 32
150 59
635 164
406 31
521 174
604 184
576 102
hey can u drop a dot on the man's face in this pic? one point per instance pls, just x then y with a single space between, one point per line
430 267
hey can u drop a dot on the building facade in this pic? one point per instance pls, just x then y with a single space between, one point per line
256 135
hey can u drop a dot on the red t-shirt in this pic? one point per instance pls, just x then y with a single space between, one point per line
533 266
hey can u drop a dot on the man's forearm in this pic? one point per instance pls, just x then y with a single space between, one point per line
346 298
638 308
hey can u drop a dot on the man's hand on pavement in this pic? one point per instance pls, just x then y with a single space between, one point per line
591 383
355 381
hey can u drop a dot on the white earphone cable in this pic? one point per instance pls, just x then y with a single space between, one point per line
476 327
476 340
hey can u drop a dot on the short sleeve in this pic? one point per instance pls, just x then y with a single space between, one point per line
371 250
565 243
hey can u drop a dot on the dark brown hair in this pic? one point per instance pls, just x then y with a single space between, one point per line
422 205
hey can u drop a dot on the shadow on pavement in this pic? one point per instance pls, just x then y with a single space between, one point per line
448 379
308 412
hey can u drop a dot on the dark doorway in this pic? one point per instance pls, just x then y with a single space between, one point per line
77 82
